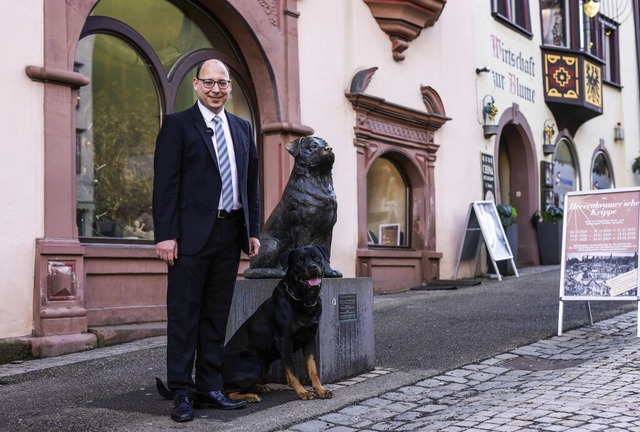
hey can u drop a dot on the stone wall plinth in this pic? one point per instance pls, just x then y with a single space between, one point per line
345 339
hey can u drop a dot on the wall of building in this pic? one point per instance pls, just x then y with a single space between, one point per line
21 164
336 40
446 59
329 58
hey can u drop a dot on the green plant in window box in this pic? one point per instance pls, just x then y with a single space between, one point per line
548 224
551 214
507 214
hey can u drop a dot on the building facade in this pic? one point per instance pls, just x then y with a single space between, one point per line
429 105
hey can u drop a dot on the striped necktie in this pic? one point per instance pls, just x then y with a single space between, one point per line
224 165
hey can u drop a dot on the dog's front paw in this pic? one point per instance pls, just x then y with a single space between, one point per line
262 388
247 397
323 393
306 395
331 273
252 398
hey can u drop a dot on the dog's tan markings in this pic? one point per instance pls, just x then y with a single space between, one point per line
248 397
261 389
293 381
253 395
312 369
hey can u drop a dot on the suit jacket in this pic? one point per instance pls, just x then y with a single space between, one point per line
187 185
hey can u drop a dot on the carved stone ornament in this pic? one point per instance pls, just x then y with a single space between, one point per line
403 20
271 9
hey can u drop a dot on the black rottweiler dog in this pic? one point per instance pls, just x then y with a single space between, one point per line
285 323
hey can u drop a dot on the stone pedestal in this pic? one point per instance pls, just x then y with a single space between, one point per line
345 341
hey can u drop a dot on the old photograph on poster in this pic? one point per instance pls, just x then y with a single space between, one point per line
605 275
601 244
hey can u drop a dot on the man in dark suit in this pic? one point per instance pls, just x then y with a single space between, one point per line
206 209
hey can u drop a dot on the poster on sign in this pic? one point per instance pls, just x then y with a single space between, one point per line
483 224
600 246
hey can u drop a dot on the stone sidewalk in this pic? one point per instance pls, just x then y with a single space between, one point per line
587 379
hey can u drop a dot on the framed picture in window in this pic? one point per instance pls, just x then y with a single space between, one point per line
547 198
389 234
546 174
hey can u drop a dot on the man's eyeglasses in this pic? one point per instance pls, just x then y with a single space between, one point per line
208 83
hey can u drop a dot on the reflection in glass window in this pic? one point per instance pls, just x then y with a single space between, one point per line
601 175
117 123
610 51
554 22
387 201
514 12
118 115
564 172
171 29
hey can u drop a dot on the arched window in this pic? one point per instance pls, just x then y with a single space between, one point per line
387 205
141 57
565 172
601 173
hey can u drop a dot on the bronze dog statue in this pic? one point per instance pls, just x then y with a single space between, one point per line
305 214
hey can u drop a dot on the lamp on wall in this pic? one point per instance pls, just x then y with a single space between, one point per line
489 111
591 7
618 132
547 144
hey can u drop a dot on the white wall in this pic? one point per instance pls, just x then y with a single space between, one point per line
21 163
339 38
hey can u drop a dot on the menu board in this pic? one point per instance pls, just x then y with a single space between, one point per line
601 243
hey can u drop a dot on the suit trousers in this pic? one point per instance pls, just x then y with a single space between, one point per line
199 295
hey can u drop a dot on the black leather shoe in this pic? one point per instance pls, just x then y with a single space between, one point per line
218 400
182 409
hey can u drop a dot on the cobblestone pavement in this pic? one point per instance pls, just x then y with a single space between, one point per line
584 380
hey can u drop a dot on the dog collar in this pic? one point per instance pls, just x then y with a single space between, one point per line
286 287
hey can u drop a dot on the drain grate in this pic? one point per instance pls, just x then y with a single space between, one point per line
539 364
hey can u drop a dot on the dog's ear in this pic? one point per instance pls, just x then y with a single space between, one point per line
294 147
283 259
323 251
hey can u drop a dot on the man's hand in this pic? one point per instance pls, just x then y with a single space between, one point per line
254 246
167 251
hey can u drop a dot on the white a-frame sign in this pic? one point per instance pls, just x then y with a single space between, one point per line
483 223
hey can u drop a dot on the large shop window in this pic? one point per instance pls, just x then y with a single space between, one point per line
601 174
565 172
514 13
387 205
141 57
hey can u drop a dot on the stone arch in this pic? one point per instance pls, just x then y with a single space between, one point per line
59 253
514 138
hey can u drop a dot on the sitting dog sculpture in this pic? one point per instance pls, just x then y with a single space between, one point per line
305 214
